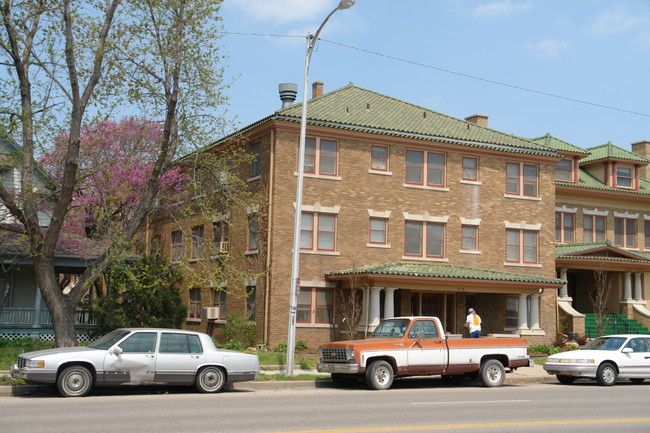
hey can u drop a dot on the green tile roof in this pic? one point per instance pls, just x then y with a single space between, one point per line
358 109
560 145
434 270
588 181
609 151
582 249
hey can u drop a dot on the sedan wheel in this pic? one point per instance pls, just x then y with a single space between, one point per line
210 379
606 374
75 381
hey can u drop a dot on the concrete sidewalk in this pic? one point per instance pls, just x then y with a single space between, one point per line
524 375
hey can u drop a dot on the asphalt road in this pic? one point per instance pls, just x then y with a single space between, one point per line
409 407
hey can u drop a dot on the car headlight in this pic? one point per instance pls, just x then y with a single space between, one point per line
574 361
34 363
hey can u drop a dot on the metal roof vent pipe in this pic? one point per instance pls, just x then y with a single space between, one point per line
288 93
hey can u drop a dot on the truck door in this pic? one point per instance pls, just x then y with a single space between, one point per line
427 355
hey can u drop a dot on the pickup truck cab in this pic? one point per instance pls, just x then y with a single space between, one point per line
417 346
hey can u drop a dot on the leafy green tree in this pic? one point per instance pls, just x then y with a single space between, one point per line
145 293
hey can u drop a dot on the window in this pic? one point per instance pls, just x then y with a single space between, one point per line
256 152
378 231
154 246
512 312
470 168
250 302
424 239
469 238
317 231
646 229
197 242
521 246
521 179
194 311
625 232
179 343
220 232
140 342
253 228
177 246
321 156
219 298
434 175
564 170
315 306
379 158
624 177
594 228
564 227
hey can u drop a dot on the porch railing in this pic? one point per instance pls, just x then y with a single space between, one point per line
27 318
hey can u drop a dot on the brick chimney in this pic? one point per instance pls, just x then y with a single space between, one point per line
317 89
479 119
642 148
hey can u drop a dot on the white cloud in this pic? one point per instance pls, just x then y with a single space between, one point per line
549 48
613 21
501 8
283 11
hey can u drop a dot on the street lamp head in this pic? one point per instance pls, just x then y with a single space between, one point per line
345 4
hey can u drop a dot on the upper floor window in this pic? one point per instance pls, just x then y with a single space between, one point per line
378 231
470 168
197 241
469 238
646 229
317 231
521 179
594 227
253 228
379 158
624 177
194 311
321 156
219 300
521 246
564 170
424 239
565 224
256 152
315 306
177 245
625 232
220 232
431 174
154 246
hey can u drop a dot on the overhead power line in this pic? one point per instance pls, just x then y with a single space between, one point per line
461 74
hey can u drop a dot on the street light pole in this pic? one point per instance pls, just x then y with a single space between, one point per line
295 262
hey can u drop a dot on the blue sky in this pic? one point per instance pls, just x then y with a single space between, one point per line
426 52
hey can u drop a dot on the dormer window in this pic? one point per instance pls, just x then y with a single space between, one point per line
564 170
624 176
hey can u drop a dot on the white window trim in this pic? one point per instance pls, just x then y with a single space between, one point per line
565 209
432 188
471 182
317 208
385 173
522 226
470 221
521 197
426 259
595 212
379 214
626 215
426 217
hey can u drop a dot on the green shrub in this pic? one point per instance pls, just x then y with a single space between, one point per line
545 348
234 345
239 329
282 347
301 345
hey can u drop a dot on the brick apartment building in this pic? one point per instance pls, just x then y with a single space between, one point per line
425 214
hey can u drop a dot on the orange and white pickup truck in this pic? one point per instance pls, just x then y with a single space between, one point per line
417 346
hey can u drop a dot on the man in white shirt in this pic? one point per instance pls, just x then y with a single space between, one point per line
473 323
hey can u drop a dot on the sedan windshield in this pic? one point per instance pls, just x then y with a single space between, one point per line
391 328
605 343
109 339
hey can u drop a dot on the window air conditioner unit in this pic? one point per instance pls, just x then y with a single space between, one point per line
211 313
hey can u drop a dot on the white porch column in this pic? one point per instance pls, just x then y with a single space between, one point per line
389 302
564 291
523 311
638 288
373 316
627 286
534 311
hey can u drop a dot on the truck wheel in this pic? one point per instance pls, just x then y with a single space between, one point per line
75 381
606 374
379 375
492 373
565 379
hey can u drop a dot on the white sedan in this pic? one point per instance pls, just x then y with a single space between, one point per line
605 359
138 356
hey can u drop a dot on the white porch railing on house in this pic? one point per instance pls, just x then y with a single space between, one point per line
27 317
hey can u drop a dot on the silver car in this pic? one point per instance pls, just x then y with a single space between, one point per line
138 356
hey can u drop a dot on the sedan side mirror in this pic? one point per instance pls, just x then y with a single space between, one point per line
627 350
117 350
